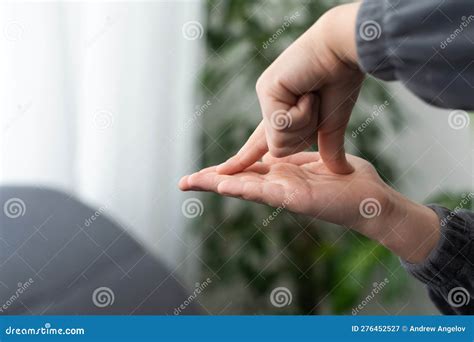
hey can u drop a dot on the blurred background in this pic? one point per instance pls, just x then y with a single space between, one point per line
113 102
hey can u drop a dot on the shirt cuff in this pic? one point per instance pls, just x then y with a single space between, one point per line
371 39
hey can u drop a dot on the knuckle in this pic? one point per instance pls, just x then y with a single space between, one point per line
268 83
281 120
261 84
193 180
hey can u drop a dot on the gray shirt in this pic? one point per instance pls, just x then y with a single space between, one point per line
428 45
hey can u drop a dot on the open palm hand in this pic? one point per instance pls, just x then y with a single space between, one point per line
303 184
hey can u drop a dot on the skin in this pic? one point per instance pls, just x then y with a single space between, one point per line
306 185
316 82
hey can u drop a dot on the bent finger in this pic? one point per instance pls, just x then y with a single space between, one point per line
252 151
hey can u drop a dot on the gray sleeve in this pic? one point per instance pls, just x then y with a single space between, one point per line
448 271
428 45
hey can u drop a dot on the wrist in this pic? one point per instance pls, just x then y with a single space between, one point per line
338 27
408 229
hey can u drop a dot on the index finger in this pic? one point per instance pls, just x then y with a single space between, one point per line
252 151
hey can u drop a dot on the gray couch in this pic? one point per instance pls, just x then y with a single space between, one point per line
61 257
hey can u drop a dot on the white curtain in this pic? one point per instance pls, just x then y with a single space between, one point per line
90 97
